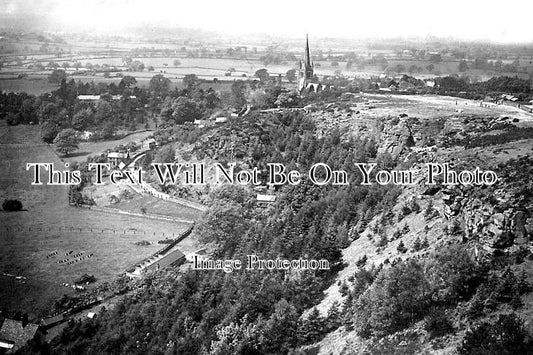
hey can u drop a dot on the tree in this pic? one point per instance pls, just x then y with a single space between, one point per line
287 99
291 75
334 64
184 110
397 298
57 76
238 93
128 81
191 82
49 131
11 205
159 84
108 130
463 66
506 336
430 67
136 65
66 141
166 154
262 74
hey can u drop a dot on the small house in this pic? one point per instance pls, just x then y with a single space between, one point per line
115 158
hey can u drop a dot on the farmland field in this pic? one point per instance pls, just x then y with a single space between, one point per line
48 224
34 86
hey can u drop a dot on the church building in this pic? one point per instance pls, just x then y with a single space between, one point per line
306 73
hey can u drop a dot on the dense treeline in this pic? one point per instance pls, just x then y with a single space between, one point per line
493 86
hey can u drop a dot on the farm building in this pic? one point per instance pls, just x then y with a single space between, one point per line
202 123
173 258
98 97
148 144
115 158
15 334
155 263
221 119
88 97
52 321
266 198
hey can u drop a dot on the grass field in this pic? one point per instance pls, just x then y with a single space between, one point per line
48 224
31 86
156 206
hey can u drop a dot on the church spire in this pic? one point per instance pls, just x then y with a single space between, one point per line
307 56
305 74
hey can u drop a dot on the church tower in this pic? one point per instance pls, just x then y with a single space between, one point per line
305 73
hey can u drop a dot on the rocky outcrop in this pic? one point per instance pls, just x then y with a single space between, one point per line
495 226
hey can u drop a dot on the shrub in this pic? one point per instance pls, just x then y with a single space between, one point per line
437 323
505 337
85 278
362 261
401 247
397 299
453 274
11 205
382 241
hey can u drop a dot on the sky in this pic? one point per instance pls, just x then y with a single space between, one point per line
497 21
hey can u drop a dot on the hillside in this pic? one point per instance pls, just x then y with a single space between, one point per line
414 268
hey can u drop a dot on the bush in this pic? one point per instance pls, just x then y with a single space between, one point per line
437 323
454 275
396 300
505 337
361 262
11 205
401 247
85 278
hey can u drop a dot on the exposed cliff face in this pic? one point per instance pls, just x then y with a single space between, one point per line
497 218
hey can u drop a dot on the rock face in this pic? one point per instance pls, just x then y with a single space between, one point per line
494 226
395 138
